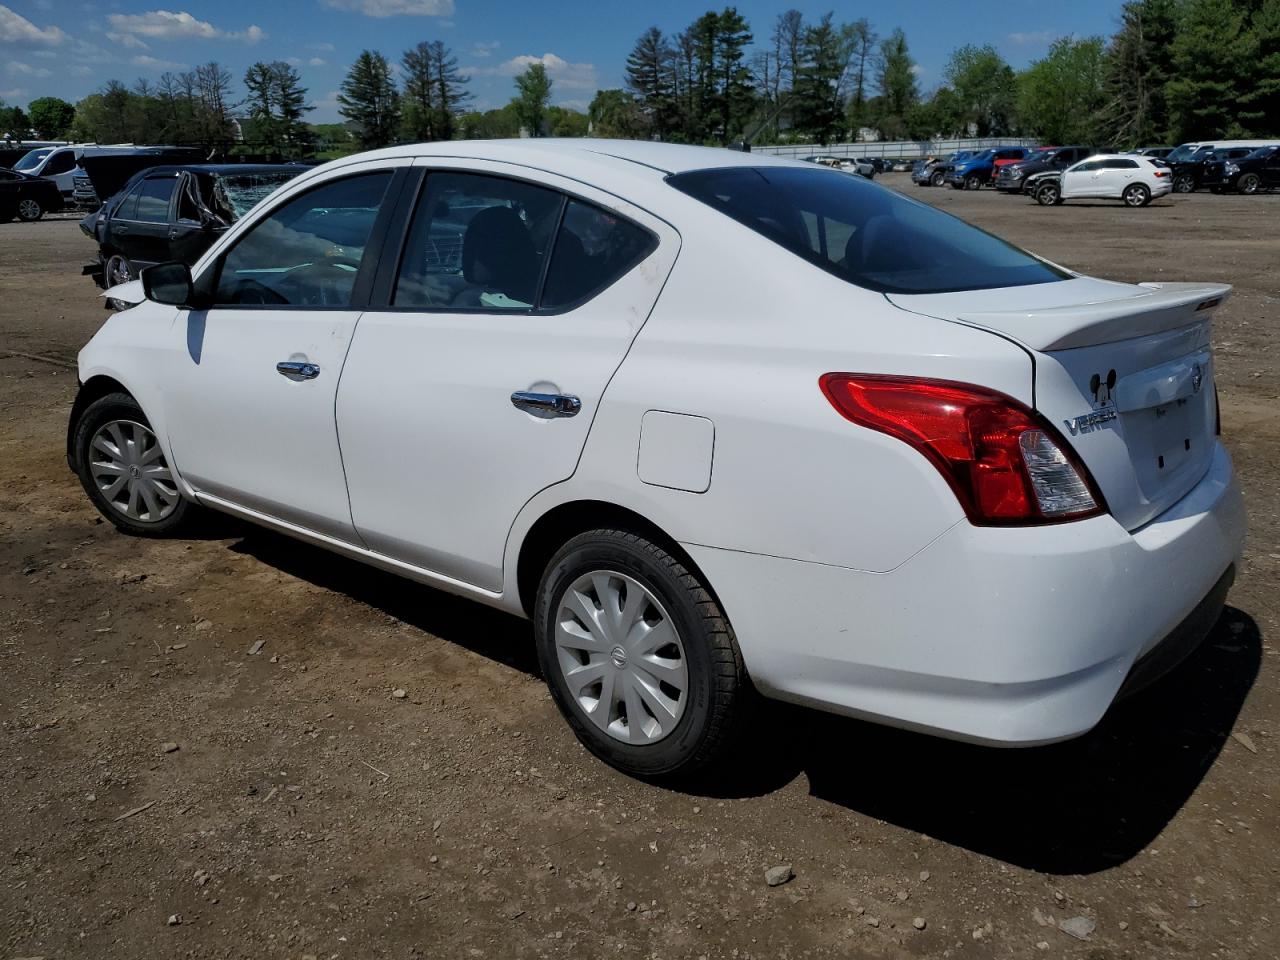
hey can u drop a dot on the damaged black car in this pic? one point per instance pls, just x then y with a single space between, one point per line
170 213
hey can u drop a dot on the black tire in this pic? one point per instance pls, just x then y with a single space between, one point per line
973 182
718 688
937 178
1184 183
117 266
29 209
120 406
1249 184
1136 195
1048 195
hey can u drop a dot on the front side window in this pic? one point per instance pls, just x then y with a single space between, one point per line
872 237
60 162
153 199
308 251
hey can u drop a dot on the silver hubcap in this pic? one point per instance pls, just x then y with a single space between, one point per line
1134 196
621 657
128 466
29 208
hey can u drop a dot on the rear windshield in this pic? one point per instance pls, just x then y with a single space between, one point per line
864 233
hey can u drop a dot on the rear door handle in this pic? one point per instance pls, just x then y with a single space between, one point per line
553 404
297 369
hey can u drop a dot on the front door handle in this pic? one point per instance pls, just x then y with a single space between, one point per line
546 404
297 369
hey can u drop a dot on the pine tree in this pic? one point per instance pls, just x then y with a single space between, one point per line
434 91
735 94
369 100
861 70
651 80
819 92
899 93
1139 63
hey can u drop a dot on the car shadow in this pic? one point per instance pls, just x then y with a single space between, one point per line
1071 808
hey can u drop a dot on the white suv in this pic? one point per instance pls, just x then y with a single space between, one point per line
713 421
1135 181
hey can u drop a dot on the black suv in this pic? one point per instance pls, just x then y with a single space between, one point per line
1189 175
1013 176
1257 171
174 213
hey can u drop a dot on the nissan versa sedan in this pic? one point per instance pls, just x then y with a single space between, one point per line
716 423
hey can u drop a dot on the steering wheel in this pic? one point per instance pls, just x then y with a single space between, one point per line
317 284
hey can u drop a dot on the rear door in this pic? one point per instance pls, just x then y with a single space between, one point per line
1112 176
1271 168
475 383
1125 373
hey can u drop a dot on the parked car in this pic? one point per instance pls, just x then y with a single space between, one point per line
848 164
902 166
978 170
947 433
26 197
1188 161
103 174
1257 171
63 163
172 213
1135 181
1155 153
1012 178
933 171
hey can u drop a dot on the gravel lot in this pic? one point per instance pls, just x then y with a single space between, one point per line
306 811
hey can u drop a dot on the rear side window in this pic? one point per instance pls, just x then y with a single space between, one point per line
593 249
872 237
153 199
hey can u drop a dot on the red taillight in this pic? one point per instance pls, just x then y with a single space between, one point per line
1162 173
1006 464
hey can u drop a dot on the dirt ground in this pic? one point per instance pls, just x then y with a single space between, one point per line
306 812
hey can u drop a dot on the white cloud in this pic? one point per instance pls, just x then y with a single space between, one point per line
80 70
153 63
15 28
1035 38
395 8
484 49
166 25
317 62
329 100
126 40
17 66
569 76
15 93
323 47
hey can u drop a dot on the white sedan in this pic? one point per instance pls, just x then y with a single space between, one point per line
715 422
1135 181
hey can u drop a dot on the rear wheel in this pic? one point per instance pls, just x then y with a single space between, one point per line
1048 195
638 655
1249 183
1136 195
1184 183
124 471
29 209
973 182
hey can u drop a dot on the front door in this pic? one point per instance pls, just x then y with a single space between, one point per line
141 224
253 379
474 387
1271 168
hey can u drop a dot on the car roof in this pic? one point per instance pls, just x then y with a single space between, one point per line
168 169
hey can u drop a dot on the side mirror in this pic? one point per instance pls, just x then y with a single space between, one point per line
168 283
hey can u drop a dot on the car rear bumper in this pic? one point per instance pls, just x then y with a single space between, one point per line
1013 636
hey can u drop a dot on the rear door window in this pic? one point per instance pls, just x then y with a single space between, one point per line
153 199
593 249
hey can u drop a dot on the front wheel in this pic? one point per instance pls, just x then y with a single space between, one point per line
973 183
124 471
29 210
1250 183
1049 195
638 655
117 271
937 179
1184 183
1136 195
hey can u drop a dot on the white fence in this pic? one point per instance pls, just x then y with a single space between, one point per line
892 148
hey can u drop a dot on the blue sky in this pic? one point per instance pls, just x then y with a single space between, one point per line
69 48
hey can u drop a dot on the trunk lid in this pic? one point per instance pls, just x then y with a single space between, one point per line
1123 371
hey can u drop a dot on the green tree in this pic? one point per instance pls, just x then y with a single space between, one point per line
259 82
564 122
533 94
818 94
899 93
861 74
15 122
1214 54
369 99
51 117
735 93
277 104
491 124
615 113
434 91
1060 96
651 80
986 88
1139 63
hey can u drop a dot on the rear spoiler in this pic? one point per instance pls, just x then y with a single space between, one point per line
1166 306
